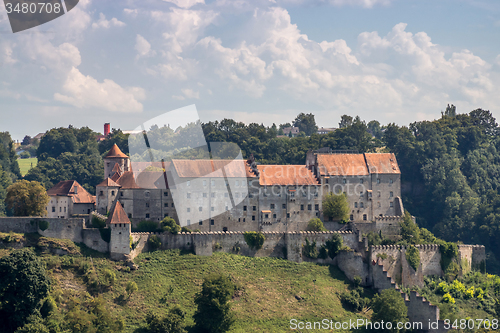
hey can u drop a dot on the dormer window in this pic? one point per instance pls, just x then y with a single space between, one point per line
75 190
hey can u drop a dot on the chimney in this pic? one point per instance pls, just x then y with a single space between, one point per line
106 129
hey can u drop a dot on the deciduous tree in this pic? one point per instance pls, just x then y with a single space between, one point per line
27 198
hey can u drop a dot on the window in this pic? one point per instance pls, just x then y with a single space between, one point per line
301 207
254 208
165 204
360 194
165 215
112 192
200 209
391 204
205 195
212 182
60 209
361 180
65 209
212 222
364 217
212 209
188 209
378 194
212 194
147 216
309 207
165 194
172 205
226 195
227 208
355 205
361 205
344 181
391 194
224 229
253 217
237 195
129 215
378 204
351 217
188 222
274 216
237 183
283 206
244 208
266 216
391 181
201 222
316 207
101 193
121 194
146 194
272 206
204 183
53 209
378 180
326 180
188 195
226 183
243 219
287 215
147 204
188 183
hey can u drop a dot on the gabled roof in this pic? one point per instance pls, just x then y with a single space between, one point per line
151 179
212 168
285 175
108 182
127 180
149 166
115 152
342 165
118 215
115 177
382 163
116 169
72 189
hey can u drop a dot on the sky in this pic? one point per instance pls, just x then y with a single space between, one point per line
264 61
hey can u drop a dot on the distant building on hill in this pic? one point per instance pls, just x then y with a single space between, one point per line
293 130
69 198
326 130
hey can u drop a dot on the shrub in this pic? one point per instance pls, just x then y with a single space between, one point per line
168 224
382 256
334 245
255 240
357 281
154 242
469 293
457 288
352 300
109 277
447 298
323 252
131 288
186 229
43 225
442 288
98 222
336 207
449 251
310 250
389 306
315 225
413 257
147 226
173 322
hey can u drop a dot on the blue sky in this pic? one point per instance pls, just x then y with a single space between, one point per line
125 62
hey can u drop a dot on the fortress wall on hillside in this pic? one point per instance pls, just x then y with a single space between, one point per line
92 239
65 228
20 224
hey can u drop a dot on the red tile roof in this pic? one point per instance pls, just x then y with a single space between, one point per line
155 166
342 165
115 177
115 152
382 163
118 215
117 169
212 168
72 189
127 180
151 179
285 175
108 182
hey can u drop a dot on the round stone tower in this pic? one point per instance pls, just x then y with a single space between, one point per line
115 156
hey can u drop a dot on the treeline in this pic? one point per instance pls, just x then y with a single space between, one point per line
9 168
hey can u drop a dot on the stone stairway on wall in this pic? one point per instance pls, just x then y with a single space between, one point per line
419 309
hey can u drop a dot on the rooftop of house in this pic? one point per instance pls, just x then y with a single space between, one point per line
72 189
115 152
286 175
294 130
118 215
357 164
212 168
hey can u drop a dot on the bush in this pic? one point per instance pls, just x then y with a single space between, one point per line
336 207
323 252
131 288
442 288
173 322
43 225
315 225
413 257
147 226
352 301
154 243
98 222
186 229
168 224
357 281
310 250
447 298
109 278
255 240
334 245
389 306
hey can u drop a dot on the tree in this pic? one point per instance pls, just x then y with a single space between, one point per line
213 314
315 225
5 182
26 140
409 230
131 288
27 198
23 286
173 322
168 224
345 121
306 123
336 207
389 306
334 245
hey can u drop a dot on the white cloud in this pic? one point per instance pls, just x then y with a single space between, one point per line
142 46
86 92
189 93
185 3
103 23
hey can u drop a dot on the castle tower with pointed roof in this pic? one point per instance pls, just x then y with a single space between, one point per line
115 160
118 222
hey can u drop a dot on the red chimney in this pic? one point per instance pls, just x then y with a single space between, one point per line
106 129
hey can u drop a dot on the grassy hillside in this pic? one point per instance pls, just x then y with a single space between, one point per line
270 291
25 164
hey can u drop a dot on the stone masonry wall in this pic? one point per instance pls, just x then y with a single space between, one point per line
92 239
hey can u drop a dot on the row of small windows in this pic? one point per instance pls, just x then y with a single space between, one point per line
226 195
226 183
361 204
60 209
344 181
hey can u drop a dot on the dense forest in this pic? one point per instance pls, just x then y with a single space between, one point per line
450 166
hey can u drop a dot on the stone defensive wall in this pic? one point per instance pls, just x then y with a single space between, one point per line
70 228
